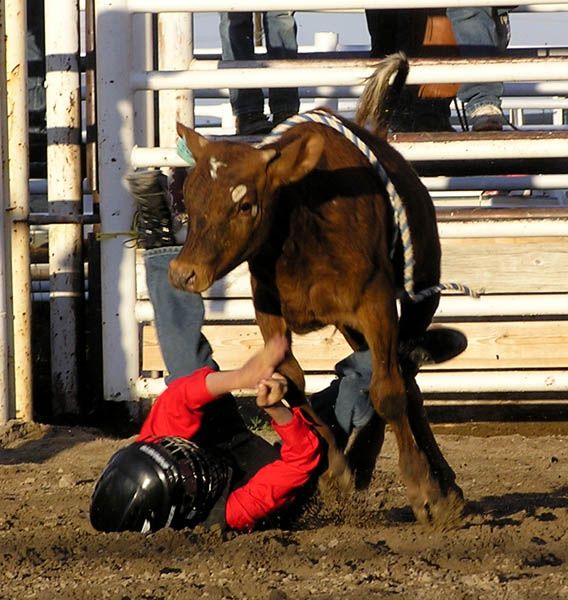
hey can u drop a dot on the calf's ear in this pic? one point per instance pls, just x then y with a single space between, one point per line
296 159
195 142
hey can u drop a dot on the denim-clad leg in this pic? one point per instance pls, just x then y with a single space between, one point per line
237 43
345 403
281 43
178 318
477 34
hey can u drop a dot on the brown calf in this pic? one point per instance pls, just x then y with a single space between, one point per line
313 220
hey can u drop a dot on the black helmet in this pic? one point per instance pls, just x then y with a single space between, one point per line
165 482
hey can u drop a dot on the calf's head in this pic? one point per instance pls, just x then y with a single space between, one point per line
229 196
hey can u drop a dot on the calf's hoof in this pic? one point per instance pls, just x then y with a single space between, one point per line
338 476
436 509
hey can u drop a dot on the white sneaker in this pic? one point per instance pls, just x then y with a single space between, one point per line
487 117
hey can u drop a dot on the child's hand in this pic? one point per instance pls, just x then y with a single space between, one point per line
269 395
263 364
271 391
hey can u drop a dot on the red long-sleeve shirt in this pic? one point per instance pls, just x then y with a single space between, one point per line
178 412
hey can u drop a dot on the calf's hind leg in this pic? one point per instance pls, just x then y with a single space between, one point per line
378 321
414 321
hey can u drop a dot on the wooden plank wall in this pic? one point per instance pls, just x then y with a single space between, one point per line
526 269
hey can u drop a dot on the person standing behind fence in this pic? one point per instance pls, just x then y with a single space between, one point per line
237 43
394 30
481 31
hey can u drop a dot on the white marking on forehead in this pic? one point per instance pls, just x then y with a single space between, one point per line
239 192
214 165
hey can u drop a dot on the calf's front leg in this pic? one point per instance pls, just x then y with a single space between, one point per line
337 468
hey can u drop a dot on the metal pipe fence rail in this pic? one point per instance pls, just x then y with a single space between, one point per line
15 235
5 329
180 6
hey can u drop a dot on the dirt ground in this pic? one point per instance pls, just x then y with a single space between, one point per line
513 542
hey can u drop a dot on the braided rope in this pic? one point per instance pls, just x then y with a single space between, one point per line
402 227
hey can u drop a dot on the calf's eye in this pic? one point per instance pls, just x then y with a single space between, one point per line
245 207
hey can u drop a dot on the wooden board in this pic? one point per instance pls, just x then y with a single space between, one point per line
507 265
500 265
491 345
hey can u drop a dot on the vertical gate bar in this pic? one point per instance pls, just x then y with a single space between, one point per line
326 41
18 167
143 60
5 343
175 53
64 193
115 119
90 117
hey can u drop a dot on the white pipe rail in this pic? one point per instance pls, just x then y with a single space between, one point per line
63 116
470 149
513 90
498 305
287 73
5 384
151 6
175 52
432 382
16 69
493 381
504 182
115 124
510 228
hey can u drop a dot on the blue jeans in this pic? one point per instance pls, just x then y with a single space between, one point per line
478 34
178 317
345 403
237 43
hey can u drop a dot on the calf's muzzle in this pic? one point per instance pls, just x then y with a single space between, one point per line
182 275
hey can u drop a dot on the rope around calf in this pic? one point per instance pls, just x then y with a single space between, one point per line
402 228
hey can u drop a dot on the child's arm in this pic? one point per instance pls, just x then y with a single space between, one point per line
276 484
261 366
179 409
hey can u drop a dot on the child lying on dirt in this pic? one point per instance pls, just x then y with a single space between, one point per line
188 466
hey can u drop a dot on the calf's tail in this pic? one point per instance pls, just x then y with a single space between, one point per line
380 96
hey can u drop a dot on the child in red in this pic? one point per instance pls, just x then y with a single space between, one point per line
175 475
